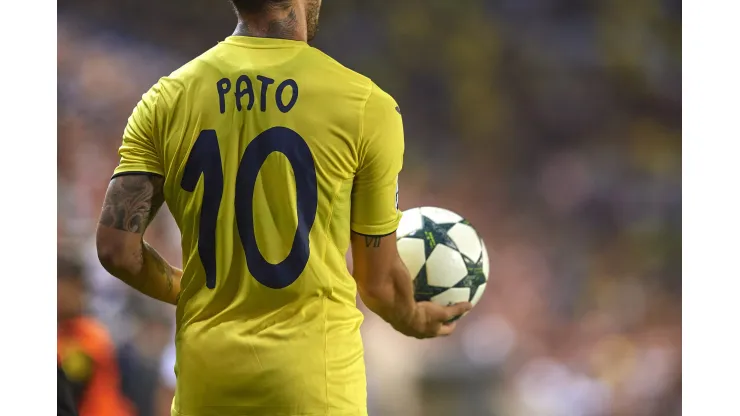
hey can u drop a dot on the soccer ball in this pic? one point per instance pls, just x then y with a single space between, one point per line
444 254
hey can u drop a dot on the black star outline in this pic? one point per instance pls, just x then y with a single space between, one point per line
433 234
475 277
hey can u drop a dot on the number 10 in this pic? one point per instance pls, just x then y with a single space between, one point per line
205 160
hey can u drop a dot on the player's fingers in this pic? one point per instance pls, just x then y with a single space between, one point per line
446 329
457 310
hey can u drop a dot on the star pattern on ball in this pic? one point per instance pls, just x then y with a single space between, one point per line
423 291
475 276
433 234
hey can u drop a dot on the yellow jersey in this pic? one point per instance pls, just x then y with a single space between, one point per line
271 153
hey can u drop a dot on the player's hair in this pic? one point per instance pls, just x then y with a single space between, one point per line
256 6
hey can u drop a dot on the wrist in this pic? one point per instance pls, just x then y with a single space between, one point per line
408 322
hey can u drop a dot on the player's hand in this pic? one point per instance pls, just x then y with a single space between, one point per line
431 320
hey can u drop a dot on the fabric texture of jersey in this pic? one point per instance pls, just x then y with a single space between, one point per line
295 133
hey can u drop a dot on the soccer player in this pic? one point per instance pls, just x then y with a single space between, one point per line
273 158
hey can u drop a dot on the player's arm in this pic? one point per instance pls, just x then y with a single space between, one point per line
383 281
134 196
130 205
385 286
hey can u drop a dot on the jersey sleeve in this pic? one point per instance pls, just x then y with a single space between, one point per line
138 151
375 188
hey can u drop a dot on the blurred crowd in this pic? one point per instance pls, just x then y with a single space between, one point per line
553 126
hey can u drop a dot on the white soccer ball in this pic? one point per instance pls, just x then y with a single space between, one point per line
444 254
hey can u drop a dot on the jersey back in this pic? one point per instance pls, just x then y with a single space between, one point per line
271 153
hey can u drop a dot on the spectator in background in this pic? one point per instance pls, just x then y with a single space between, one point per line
84 349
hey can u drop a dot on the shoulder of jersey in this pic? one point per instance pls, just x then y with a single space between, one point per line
339 67
372 87
369 84
346 73
176 82
191 69
384 96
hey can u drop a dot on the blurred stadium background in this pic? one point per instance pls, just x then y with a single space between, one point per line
554 126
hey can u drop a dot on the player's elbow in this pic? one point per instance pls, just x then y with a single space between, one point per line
113 253
110 259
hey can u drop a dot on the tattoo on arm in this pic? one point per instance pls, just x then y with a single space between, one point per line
130 205
132 202
371 241
162 266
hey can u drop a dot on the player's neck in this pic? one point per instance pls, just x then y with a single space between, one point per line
285 23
